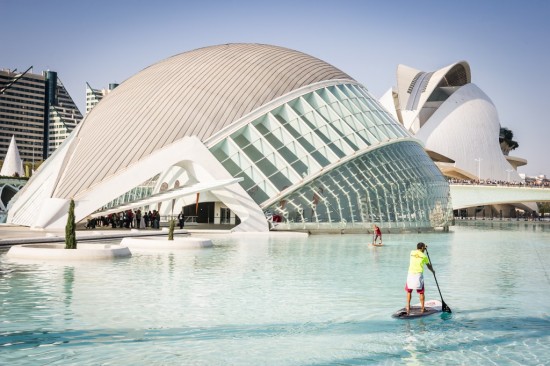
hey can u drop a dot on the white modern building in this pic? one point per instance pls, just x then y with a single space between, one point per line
261 132
453 117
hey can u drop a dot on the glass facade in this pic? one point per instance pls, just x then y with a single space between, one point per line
298 163
395 186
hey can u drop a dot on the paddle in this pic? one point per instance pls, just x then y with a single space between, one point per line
444 306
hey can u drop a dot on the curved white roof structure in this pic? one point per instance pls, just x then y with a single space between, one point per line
196 93
415 87
452 117
262 129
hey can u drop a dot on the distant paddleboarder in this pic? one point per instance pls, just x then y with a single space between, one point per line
377 234
415 277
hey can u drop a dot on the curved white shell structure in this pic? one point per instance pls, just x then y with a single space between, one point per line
453 117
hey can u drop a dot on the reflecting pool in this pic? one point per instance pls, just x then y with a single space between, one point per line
320 300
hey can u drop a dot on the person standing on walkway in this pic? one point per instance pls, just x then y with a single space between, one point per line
181 219
156 219
415 277
146 216
138 218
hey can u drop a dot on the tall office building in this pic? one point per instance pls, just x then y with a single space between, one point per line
94 96
37 110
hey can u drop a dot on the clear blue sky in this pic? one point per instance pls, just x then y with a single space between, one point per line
506 44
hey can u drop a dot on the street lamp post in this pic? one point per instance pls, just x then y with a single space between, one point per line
509 171
478 168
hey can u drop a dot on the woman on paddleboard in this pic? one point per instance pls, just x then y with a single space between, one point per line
415 277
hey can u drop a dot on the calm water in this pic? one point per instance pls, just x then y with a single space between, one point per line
321 300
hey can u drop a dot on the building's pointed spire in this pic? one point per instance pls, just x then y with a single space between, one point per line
13 166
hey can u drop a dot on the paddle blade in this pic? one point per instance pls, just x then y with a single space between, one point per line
445 308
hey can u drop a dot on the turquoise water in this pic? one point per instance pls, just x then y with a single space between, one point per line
320 300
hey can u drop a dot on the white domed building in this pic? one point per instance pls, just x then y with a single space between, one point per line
256 130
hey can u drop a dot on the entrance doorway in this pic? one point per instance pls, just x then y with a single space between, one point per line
225 215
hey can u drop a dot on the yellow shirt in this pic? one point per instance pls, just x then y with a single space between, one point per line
418 259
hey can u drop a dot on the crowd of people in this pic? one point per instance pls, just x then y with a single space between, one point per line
491 182
131 220
127 219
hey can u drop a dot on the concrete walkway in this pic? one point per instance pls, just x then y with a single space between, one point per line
13 235
464 195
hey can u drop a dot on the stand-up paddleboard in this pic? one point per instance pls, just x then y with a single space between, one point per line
430 307
375 245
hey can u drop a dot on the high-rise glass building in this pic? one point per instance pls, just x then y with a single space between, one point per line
37 110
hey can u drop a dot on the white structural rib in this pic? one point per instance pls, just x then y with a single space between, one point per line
188 153
170 195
